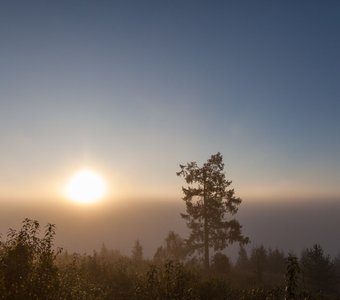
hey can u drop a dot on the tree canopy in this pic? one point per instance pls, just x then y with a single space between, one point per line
208 201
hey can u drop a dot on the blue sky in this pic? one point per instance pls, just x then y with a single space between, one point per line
133 88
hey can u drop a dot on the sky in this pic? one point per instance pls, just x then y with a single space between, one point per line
132 89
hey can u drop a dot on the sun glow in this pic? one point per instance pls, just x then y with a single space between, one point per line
86 186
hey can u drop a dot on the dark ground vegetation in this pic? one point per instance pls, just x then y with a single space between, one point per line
32 268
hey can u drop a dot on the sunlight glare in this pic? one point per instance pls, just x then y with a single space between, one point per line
85 186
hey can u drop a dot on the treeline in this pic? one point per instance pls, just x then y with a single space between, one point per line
315 273
32 268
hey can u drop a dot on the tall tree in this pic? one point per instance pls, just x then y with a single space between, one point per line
208 200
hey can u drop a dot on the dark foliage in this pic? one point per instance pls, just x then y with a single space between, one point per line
27 263
292 278
174 248
30 268
318 271
208 201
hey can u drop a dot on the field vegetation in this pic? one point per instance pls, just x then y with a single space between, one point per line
31 267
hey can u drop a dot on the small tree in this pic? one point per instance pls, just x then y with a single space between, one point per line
292 277
242 262
174 248
137 252
276 261
208 200
318 271
258 262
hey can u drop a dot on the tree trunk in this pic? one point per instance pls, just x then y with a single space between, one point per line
206 231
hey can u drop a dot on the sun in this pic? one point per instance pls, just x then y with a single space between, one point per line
86 186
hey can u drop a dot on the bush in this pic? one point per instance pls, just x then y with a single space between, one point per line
27 263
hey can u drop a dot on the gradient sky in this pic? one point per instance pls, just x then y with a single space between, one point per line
133 88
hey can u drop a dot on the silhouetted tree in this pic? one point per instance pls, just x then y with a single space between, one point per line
137 252
174 248
276 261
258 262
27 263
242 262
208 200
292 278
318 271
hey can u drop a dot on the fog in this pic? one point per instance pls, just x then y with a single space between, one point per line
282 223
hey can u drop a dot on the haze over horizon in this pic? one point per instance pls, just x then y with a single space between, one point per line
133 89
286 225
